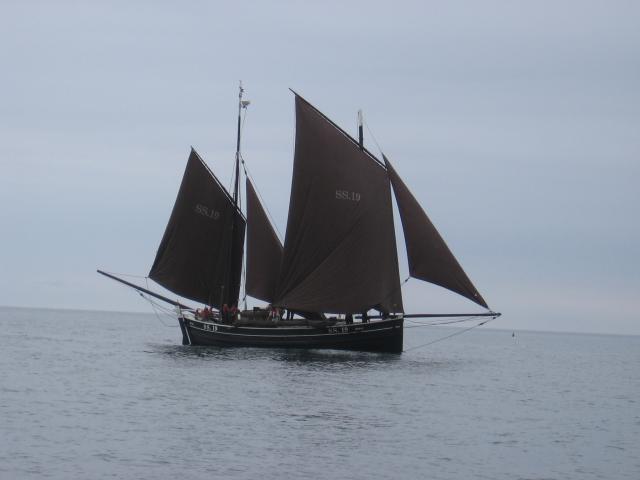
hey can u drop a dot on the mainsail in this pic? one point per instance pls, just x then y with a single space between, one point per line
200 255
264 250
429 257
340 249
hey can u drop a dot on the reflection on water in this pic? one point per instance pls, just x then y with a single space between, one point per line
304 357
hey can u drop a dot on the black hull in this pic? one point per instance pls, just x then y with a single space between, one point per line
377 336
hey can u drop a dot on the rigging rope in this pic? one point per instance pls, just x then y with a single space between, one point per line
243 280
372 136
127 275
255 186
243 274
154 304
449 336
260 197
440 322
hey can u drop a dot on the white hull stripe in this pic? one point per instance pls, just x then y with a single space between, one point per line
294 335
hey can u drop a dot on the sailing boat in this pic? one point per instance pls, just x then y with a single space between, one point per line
339 259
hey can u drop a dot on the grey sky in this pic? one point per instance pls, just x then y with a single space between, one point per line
516 124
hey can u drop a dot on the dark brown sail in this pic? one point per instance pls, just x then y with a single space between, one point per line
429 257
200 255
264 250
340 249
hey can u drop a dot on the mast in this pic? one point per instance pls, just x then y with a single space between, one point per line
236 184
360 132
242 104
237 169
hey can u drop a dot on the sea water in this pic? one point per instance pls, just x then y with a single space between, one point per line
114 395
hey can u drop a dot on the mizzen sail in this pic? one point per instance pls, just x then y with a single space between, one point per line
264 250
340 250
200 255
429 257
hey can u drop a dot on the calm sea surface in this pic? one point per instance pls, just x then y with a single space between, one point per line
113 395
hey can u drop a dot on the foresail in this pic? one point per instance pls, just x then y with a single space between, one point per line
340 251
200 255
429 257
264 250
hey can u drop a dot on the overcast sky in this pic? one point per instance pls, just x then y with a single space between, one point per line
516 125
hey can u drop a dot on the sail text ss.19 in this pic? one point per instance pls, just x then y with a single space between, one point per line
203 240
339 250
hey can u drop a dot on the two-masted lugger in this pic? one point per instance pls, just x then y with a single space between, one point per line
335 282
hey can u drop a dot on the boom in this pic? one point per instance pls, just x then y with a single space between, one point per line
144 290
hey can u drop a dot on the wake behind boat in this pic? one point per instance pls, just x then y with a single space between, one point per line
339 260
